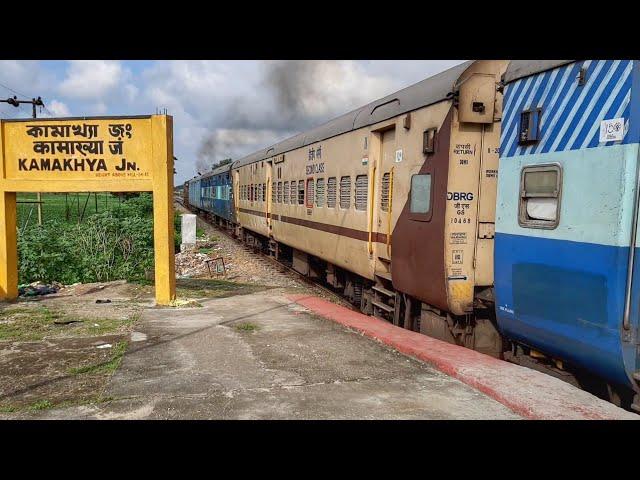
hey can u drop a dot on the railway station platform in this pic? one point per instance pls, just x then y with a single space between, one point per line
261 352
529 393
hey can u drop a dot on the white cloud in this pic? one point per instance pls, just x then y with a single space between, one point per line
131 91
91 79
27 77
230 108
58 109
236 106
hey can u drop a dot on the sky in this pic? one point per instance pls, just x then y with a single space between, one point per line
221 109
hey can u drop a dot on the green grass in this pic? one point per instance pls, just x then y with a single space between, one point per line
57 206
101 326
41 405
247 327
108 367
22 323
46 404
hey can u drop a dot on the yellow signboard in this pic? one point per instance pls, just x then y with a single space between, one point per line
103 154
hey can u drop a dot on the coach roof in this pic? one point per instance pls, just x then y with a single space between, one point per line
222 169
523 68
427 92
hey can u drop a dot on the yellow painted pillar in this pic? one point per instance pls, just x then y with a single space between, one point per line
165 276
8 247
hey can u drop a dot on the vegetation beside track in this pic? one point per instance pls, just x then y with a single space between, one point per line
113 243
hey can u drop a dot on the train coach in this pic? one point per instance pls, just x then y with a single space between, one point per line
392 204
567 284
399 205
212 194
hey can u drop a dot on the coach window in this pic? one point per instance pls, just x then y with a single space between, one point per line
345 192
285 195
420 197
273 192
331 192
362 186
384 194
310 192
300 192
279 192
320 192
540 192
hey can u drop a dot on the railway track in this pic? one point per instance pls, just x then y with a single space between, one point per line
279 267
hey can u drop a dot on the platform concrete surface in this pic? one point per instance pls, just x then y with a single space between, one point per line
532 394
262 356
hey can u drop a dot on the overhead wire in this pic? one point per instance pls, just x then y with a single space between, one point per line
13 91
23 95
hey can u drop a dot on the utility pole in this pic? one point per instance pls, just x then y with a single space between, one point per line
35 102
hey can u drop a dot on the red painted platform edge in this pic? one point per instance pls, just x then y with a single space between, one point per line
496 378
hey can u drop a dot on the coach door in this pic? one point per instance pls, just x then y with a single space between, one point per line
236 192
385 200
270 194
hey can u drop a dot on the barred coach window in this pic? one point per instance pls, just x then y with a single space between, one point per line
310 192
345 192
384 194
285 198
540 192
331 192
300 192
279 192
320 192
421 193
362 185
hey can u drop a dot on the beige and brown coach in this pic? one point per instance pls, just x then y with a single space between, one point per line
393 203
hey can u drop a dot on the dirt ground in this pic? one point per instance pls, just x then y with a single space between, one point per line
61 349
261 356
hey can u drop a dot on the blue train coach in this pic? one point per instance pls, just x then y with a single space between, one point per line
566 262
213 193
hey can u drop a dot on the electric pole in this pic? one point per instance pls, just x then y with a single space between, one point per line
35 102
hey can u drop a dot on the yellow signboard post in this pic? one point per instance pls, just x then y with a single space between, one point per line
88 154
